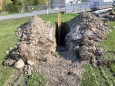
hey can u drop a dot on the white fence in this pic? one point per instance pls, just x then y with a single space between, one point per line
74 7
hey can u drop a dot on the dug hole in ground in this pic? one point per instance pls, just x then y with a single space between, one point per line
38 52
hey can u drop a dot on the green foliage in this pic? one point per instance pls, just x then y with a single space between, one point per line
21 5
41 2
36 80
14 5
7 5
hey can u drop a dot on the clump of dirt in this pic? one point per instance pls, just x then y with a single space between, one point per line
86 31
36 40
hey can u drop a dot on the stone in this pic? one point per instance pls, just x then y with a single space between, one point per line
11 48
9 62
30 62
7 52
29 72
19 64
114 27
99 52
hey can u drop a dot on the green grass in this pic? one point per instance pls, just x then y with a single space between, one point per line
100 76
89 78
8 39
112 66
36 80
53 17
109 44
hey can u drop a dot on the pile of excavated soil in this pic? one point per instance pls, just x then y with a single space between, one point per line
35 53
85 32
36 41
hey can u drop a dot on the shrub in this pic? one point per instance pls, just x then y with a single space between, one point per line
21 5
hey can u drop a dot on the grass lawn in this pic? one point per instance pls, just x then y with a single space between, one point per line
8 39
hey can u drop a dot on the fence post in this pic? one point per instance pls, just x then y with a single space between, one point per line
47 11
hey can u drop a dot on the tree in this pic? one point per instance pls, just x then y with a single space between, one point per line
21 5
7 5
42 2
14 5
1 5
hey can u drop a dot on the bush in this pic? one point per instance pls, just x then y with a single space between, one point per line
41 2
1 5
20 5
7 4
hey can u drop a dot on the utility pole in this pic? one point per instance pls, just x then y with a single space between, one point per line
59 24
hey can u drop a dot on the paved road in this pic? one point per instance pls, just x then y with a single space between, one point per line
28 14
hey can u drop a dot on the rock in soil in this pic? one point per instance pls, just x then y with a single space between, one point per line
19 64
30 62
9 62
27 70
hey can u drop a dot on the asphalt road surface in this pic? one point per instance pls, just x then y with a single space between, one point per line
28 14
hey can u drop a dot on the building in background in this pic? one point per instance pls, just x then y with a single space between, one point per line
64 1
98 0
